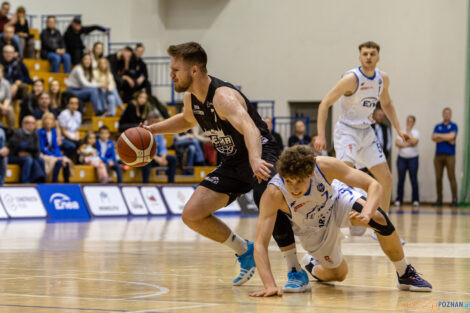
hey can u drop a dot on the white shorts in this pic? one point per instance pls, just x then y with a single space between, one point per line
325 246
357 145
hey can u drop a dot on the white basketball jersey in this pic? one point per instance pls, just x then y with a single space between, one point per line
312 211
357 108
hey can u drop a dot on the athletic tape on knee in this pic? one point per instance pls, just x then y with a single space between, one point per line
384 230
282 232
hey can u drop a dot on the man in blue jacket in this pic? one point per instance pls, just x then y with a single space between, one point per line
106 151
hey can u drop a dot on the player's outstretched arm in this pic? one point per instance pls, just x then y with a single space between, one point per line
389 108
346 85
230 106
268 207
176 124
335 169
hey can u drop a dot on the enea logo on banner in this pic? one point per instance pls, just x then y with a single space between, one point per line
63 201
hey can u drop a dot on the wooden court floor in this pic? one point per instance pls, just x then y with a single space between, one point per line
159 265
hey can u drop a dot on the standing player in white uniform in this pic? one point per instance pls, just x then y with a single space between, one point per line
358 91
312 191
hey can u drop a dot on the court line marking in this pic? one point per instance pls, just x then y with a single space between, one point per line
177 307
59 308
394 288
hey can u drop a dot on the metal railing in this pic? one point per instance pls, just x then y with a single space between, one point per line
284 125
116 46
265 107
99 36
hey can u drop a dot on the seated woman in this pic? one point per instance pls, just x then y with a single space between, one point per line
136 111
30 102
96 53
58 98
49 141
82 85
108 91
89 155
22 31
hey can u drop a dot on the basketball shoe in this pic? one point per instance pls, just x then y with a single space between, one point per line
412 281
247 265
296 281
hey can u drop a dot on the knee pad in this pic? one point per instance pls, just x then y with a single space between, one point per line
282 232
384 230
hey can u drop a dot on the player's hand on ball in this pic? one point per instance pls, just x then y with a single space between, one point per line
145 127
261 169
319 143
359 218
268 292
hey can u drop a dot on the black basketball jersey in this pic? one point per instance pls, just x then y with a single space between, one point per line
226 139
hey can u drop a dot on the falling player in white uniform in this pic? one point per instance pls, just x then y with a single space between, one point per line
314 192
358 91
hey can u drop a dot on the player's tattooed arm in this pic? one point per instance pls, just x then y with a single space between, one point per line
269 205
389 108
335 169
231 106
345 86
178 123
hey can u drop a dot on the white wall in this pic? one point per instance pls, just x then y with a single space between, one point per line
296 50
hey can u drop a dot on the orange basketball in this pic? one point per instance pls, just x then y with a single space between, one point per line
136 147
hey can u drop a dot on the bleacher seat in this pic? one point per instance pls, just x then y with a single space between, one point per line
12 174
112 122
49 77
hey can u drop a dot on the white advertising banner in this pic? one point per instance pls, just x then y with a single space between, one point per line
134 200
176 197
232 207
3 214
154 200
105 200
22 202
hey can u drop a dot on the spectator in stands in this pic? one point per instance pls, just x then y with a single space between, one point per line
70 120
89 155
24 151
73 38
30 102
382 131
186 143
209 152
408 160
107 152
276 136
82 84
4 151
44 106
7 39
141 69
128 79
49 139
136 112
299 137
53 47
444 135
58 98
6 20
6 106
16 72
97 53
161 157
22 31
108 91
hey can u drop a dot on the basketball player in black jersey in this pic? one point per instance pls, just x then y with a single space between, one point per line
247 151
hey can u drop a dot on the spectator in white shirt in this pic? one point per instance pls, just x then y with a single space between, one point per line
408 160
82 85
70 120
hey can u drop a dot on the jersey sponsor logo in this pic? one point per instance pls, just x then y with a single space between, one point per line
320 187
212 179
222 143
366 87
369 102
196 106
198 112
298 206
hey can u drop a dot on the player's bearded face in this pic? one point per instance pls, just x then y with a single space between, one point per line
183 82
297 187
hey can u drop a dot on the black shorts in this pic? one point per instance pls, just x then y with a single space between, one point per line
235 177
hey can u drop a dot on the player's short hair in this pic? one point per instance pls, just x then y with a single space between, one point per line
296 162
104 127
369 44
191 52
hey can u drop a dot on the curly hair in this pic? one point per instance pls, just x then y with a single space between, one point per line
296 162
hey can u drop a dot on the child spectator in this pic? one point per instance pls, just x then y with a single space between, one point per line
89 155
82 84
22 31
4 151
136 112
108 89
53 47
107 153
97 53
70 120
6 107
50 151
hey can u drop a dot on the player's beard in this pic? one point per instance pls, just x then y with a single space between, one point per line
184 84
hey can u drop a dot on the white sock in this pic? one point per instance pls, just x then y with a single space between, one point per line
237 243
291 260
401 266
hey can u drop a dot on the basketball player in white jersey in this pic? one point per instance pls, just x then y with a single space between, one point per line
314 192
358 92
